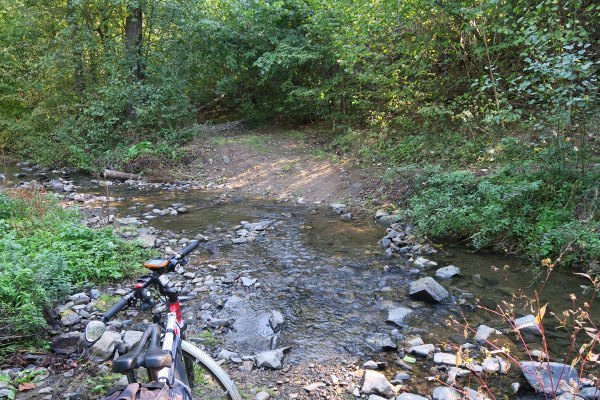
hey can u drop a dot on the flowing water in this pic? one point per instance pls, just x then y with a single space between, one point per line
329 277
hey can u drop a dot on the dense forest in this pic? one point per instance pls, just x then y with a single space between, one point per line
419 84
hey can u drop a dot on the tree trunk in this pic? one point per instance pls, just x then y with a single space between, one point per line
133 50
77 54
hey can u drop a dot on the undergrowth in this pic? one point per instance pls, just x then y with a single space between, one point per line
45 252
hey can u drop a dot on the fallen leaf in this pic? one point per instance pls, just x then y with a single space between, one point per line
26 386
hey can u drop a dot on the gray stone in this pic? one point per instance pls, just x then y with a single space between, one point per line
423 350
527 324
445 393
491 365
314 386
380 342
447 272
376 383
423 263
444 358
590 393
276 321
248 281
397 315
478 281
375 397
427 289
227 355
538 375
262 396
128 221
46 390
483 333
95 294
339 207
454 373
104 348
270 359
569 396
130 338
147 240
68 343
471 394
410 396
80 298
70 318
239 240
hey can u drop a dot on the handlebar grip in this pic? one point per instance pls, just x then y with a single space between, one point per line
119 305
189 248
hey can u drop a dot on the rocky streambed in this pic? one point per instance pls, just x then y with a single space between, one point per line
304 301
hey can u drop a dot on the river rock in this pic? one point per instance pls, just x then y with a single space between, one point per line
590 393
527 324
445 393
339 207
447 272
444 358
262 396
423 263
471 394
569 396
147 240
483 333
80 298
248 281
538 375
314 386
104 348
68 343
423 350
95 294
410 396
491 365
130 338
427 289
227 355
380 342
270 359
276 321
376 383
128 221
70 318
478 281
397 315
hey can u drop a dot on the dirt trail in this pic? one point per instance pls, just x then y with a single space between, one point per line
284 165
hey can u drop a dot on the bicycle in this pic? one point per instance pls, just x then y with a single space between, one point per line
169 359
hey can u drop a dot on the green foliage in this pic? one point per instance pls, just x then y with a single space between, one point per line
517 208
49 252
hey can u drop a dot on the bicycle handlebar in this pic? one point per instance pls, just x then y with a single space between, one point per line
118 306
189 248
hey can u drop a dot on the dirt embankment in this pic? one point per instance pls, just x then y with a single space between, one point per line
287 165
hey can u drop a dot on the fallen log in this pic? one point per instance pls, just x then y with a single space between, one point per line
119 175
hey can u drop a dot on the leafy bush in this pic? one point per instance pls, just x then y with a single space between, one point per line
45 252
518 208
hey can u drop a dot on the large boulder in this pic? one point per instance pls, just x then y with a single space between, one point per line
447 272
68 343
427 289
538 375
376 383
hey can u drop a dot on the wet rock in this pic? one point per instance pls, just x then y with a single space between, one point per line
276 321
128 221
538 375
491 365
68 343
423 263
262 396
339 208
410 396
104 348
346 217
444 358
427 289
455 373
478 281
314 386
95 294
275 342
270 359
423 350
397 315
445 393
447 272
380 342
527 324
376 383
483 333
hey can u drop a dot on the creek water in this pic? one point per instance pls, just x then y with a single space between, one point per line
330 277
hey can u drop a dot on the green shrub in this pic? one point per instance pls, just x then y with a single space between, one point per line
45 252
523 208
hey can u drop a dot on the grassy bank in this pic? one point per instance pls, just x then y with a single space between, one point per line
45 253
